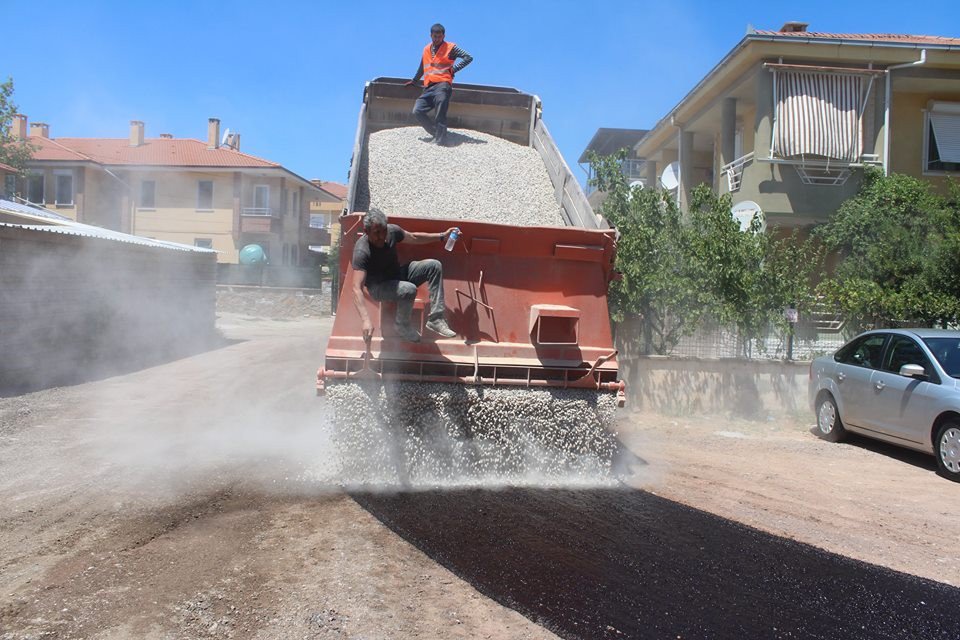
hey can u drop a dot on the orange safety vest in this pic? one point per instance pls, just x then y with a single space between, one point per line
438 67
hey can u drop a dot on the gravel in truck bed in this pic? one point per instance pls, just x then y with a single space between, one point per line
476 177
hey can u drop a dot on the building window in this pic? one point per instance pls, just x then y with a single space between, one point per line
296 202
318 221
203 243
148 194
35 188
205 195
942 137
10 185
261 199
64 181
294 255
286 254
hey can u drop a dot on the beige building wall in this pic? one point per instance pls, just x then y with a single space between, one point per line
176 216
907 143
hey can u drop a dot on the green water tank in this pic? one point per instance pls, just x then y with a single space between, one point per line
253 254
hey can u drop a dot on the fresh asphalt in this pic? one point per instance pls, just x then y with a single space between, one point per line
624 563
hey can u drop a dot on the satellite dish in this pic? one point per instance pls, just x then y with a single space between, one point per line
226 136
670 178
746 212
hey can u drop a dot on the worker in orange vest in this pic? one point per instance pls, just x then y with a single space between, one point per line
437 68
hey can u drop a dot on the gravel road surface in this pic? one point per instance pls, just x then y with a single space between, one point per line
199 499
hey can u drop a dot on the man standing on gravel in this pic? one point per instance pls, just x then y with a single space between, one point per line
377 267
437 68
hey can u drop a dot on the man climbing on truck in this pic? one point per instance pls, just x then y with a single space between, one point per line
437 68
377 268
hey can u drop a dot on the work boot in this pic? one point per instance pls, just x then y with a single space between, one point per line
407 332
439 325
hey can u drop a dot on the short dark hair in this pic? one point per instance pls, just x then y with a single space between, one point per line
438 27
374 218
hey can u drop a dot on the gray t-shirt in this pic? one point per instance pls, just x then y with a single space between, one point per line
382 264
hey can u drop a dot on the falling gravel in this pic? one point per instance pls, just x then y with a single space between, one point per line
476 177
429 434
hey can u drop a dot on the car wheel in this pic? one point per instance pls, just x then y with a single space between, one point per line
946 448
829 424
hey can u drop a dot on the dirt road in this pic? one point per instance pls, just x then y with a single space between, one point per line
199 499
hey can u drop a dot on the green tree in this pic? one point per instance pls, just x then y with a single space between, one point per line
750 276
676 273
13 152
899 249
659 283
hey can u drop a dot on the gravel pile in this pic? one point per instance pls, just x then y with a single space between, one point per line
477 177
428 435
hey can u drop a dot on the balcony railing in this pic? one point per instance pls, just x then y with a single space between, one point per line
260 212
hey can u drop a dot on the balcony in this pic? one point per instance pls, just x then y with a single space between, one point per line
259 220
260 212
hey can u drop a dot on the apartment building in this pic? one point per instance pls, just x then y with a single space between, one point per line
605 142
323 227
8 180
205 193
789 119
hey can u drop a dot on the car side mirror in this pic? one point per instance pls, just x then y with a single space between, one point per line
913 371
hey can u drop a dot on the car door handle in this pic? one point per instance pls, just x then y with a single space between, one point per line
880 385
841 377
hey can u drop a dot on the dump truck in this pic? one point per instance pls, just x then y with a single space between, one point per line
534 355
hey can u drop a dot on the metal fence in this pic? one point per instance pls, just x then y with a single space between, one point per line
806 341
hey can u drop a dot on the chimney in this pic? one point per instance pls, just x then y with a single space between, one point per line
166 136
40 129
235 141
213 133
19 128
794 27
136 133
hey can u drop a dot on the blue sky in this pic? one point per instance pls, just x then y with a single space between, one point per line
289 75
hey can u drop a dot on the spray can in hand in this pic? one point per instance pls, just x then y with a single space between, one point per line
452 239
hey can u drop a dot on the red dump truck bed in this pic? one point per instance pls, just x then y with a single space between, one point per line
528 304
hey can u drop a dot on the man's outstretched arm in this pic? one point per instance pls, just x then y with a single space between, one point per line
422 237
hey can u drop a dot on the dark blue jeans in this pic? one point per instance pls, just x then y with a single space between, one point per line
404 290
436 96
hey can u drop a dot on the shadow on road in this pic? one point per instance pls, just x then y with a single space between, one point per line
914 458
622 563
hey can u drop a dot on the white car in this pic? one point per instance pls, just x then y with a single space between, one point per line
897 385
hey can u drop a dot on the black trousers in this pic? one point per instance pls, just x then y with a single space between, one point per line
436 96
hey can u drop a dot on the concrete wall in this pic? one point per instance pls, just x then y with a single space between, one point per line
748 389
75 308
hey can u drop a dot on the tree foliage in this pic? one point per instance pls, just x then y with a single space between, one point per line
659 280
678 272
898 245
13 152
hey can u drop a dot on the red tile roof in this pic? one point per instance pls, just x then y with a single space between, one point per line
6 167
335 189
50 149
173 152
893 38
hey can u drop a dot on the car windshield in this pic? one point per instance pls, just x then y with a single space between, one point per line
947 353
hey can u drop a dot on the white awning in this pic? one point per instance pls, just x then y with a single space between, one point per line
946 132
819 115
